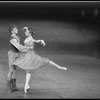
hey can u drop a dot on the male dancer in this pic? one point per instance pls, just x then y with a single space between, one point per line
12 55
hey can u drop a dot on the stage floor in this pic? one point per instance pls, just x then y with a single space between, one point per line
80 80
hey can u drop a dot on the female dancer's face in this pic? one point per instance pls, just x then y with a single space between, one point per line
27 33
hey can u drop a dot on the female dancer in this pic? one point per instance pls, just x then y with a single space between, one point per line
29 60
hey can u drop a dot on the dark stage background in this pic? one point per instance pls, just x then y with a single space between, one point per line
72 36
66 27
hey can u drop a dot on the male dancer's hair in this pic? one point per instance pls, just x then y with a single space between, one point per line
12 27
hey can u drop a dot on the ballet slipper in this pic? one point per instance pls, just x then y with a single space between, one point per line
64 68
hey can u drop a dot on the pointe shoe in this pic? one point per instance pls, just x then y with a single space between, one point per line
26 88
64 68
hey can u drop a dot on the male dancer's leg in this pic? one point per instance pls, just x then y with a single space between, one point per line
10 80
11 74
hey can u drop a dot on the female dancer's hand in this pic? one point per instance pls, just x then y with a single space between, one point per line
42 42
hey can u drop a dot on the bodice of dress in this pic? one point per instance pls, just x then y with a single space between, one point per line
29 42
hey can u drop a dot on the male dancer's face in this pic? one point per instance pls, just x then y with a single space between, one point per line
15 30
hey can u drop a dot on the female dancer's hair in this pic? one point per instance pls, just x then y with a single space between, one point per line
32 31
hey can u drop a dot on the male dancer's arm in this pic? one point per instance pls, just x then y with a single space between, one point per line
20 47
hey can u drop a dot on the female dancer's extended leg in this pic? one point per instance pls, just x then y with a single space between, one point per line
56 65
28 75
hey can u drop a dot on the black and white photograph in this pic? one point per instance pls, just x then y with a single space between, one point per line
50 49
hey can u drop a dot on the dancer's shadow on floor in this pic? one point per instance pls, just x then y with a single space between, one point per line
41 93
31 93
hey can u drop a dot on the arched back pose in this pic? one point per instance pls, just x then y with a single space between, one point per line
29 60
